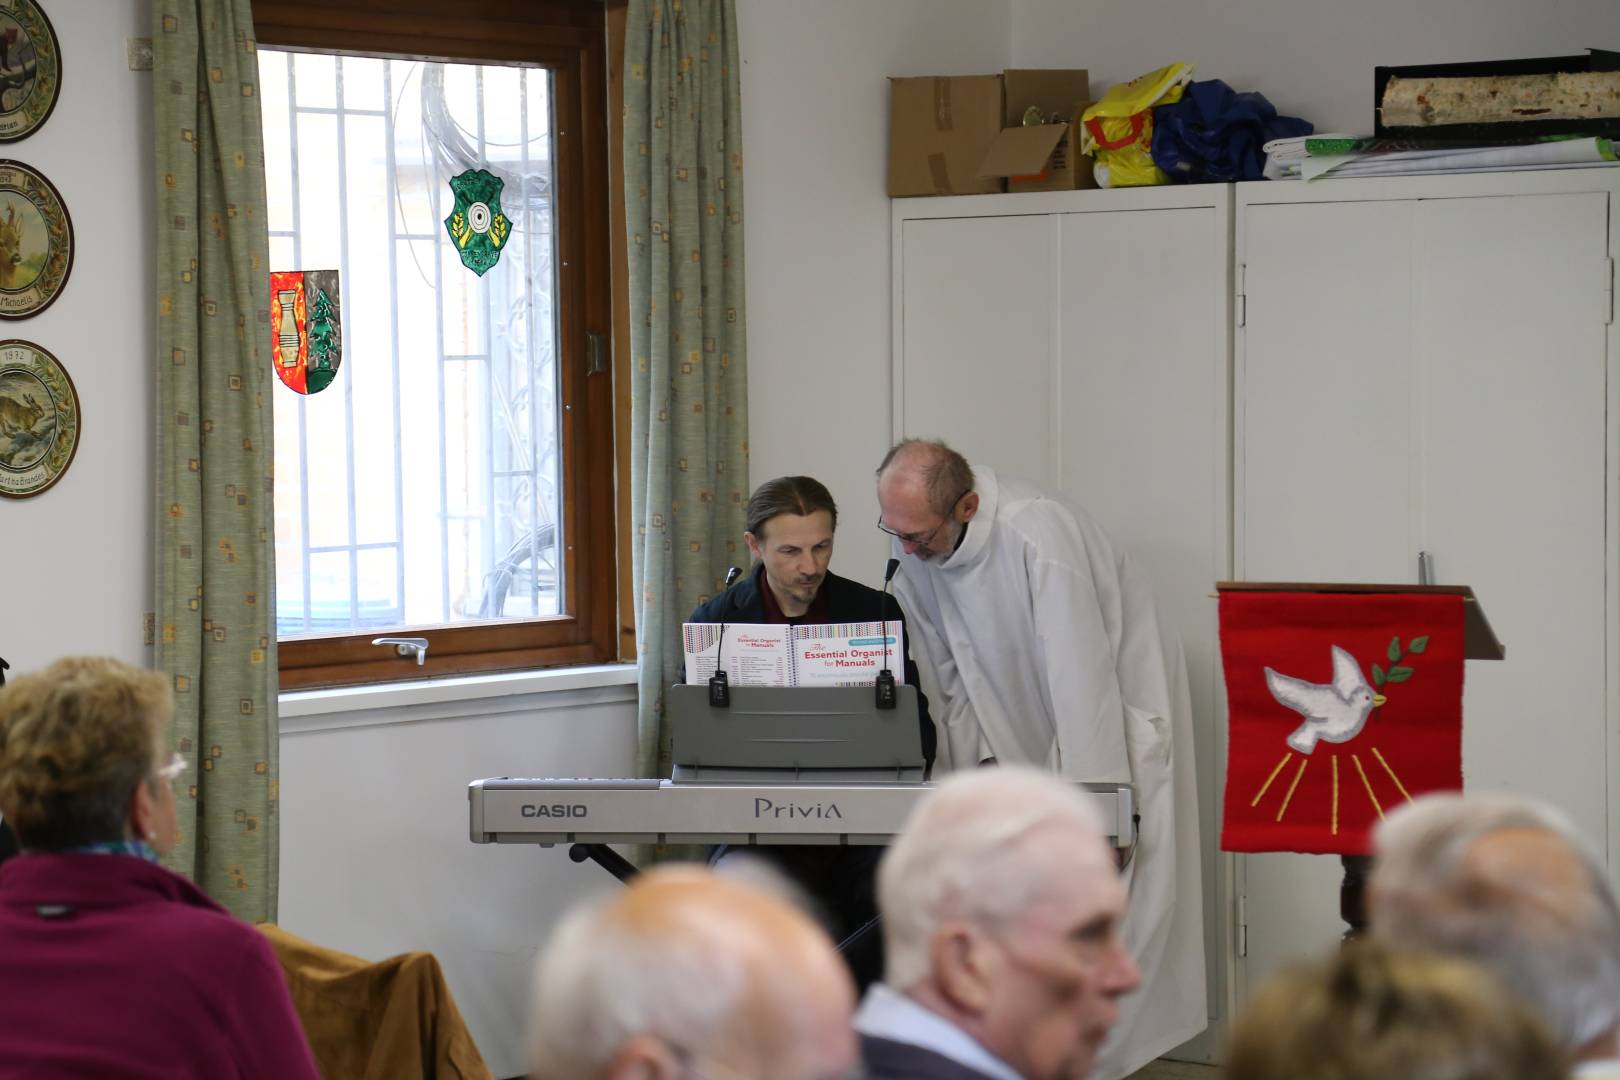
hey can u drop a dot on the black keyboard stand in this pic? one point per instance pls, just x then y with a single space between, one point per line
624 870
860 933
605 857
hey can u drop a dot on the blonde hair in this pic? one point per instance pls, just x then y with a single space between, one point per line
1372 1013
75 740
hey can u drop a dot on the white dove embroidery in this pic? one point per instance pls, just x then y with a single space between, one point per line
1333 711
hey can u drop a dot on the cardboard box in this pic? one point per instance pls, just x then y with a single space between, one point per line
1045 157
1052 90
939 129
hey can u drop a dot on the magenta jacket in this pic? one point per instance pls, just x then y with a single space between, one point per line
111 966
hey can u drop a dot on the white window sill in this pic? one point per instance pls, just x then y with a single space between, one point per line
433 699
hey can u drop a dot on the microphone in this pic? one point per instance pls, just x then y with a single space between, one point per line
887 696
719 685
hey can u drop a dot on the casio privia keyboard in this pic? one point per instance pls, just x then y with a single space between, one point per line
801 765
516 811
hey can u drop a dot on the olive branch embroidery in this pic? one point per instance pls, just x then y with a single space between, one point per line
1397 672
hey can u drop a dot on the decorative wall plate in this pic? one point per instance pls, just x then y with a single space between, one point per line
30 69
39 419
36 241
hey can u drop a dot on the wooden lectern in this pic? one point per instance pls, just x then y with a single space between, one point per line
1479 643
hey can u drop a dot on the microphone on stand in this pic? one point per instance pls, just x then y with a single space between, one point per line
719 685
887 696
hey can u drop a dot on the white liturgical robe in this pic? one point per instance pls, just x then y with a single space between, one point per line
1038 643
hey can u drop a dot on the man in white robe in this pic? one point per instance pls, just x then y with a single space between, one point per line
1038 643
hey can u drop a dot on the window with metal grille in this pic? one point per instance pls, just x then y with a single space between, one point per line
443 486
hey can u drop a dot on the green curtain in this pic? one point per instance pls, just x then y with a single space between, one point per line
683 176
215 573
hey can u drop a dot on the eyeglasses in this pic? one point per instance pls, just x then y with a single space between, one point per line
923 539
173 769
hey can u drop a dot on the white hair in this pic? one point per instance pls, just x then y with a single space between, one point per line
600 982
1557 945
960 854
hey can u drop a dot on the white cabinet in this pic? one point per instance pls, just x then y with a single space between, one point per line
1082 340
1310 382
981 330
1424 365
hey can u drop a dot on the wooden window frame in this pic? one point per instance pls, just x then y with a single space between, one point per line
570 39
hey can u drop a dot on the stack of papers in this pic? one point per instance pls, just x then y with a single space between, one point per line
1284 157
821 654
1388 157
1312 157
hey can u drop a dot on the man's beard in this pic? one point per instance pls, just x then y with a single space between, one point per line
805 591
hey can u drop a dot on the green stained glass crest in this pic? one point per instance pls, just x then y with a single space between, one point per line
476 225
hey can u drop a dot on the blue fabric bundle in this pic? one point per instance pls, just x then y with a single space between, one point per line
1214 134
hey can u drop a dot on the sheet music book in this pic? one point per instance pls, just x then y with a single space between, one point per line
811 654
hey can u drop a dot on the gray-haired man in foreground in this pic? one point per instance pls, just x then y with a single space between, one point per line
689 973
1505 882
1002 905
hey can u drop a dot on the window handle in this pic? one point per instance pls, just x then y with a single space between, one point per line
595 352
406 646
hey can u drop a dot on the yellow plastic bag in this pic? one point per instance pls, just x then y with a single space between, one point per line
1118 130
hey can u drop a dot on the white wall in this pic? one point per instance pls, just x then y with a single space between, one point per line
375 855
815 135
1312 58
77 559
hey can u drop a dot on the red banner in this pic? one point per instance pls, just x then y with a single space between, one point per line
1340 707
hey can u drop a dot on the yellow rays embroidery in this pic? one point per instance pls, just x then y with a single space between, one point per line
1335 819
1368 785
1304 761
1392 775
1265 786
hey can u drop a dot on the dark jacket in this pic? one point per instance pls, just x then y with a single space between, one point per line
113 966
847 601
886 1059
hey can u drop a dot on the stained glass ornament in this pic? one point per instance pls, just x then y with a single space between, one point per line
306 330
476 225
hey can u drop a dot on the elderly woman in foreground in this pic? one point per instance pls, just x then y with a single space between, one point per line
1372 1013
110 965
